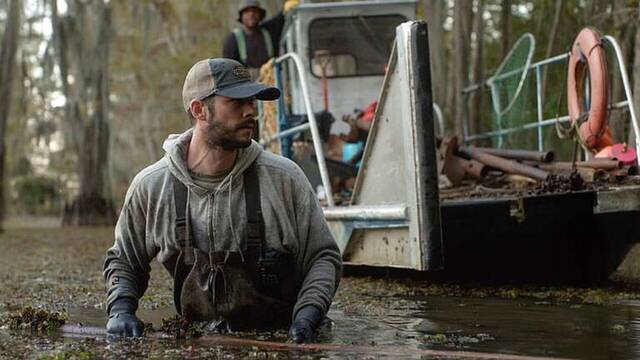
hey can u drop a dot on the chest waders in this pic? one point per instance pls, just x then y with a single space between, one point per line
241 41
254 289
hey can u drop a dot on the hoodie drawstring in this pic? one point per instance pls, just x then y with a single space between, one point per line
229 183
233 231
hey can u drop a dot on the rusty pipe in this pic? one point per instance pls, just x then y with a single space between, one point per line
515 154
592 164
587 174
601 164
591 175
473 168
506 165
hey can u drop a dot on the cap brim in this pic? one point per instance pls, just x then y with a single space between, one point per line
247 90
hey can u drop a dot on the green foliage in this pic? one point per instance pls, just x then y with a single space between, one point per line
36 194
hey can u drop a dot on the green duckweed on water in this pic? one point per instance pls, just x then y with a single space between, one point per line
58 269
455 340
36 320
180 328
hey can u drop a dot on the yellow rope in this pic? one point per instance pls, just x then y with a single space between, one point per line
269 115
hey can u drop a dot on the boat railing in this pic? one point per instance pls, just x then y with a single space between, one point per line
310 125
540 122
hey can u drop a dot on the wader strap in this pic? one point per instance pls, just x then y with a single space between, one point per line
268 42
241 42
255 223
180 200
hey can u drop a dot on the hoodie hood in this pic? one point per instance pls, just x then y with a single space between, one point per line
176 146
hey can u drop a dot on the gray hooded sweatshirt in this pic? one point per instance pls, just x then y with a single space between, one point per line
293 218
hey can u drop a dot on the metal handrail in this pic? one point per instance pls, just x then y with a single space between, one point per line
540 123
291 131
367 212
439 119
313 125
627 87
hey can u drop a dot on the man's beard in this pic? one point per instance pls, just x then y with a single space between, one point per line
219 135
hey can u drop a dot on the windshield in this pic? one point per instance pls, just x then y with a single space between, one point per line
351 46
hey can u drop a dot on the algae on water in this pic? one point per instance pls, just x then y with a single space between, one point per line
36 320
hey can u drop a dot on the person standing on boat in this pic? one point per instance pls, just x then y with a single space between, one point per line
255 41
239 229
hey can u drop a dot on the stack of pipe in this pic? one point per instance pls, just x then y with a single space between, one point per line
456 162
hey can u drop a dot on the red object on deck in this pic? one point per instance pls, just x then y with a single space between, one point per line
369 112
621 152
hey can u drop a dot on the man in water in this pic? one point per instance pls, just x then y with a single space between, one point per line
239 229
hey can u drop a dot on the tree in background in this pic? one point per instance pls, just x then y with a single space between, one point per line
154 42
477 66
434 12
82 38
153 46
463 14
505 26
8 50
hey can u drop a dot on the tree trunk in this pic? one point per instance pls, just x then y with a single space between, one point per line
8 49
593 9
478 68
461 33
84 33
551 42
505 25
434 11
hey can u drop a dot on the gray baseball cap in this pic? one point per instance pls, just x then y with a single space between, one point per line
225 77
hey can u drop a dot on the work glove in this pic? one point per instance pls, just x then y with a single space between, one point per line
290 5
305 324
123 320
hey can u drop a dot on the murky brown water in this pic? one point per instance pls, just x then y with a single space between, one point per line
60 269
523 327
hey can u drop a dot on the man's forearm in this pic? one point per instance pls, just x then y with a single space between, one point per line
320 283
122 282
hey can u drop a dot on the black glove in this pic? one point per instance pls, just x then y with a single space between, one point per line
304 325
123 320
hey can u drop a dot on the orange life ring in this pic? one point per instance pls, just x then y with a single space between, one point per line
587 54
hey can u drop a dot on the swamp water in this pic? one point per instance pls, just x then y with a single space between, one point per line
60 270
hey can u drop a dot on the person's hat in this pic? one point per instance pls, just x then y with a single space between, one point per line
245 4
225 77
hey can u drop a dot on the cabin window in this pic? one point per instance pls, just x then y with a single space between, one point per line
351 46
